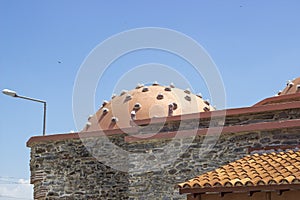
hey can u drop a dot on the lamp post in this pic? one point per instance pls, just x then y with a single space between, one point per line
14 94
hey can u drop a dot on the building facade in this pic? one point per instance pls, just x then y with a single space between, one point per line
142 143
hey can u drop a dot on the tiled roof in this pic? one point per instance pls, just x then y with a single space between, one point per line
276 168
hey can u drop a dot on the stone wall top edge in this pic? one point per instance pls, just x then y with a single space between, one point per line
221 113
78 135
217 130
204 115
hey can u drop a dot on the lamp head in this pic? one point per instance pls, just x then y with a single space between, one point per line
9 92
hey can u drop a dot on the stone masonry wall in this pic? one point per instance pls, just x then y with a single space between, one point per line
159 184
90 168
67 170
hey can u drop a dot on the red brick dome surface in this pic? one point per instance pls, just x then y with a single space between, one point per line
145 102
292 87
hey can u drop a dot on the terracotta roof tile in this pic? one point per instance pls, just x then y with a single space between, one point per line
254 170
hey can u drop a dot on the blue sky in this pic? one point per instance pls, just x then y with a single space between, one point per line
255 45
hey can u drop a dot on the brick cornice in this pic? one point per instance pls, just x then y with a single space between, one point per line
175 134
217 130
204 115
221 113
279 99
78 135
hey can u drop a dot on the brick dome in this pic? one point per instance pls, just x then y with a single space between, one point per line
292 87
145 102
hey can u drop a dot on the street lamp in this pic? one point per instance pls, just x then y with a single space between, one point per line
14 94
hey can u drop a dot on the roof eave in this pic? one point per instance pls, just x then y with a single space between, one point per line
239 189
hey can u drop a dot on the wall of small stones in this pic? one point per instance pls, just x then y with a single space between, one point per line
109 168
198 159
67 170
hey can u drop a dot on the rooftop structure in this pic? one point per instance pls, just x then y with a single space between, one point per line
165 136
292 87
145 102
